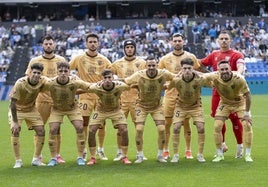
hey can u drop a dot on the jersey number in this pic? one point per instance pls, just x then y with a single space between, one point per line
138 112
95 115
83 106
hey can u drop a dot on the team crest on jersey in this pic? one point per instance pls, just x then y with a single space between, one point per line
137 65
233 86
72 88
100 63
177 68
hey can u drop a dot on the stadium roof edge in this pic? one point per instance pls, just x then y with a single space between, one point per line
89 1
68 1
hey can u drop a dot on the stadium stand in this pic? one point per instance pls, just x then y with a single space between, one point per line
18 64
151 33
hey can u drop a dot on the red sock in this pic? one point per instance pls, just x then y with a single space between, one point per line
237 127
223 130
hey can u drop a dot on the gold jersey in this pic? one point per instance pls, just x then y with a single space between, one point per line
172 63
108 100
124 68
150 89
89 69
26 94
63 96
50 71
232 91
189 93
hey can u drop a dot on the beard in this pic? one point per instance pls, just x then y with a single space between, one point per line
130 55
187 76
225 76
93 49
178 47
151 73
48 52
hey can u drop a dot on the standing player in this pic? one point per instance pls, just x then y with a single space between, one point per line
235 97
150 83
172 62
89 66
188 85
123 68
237 63
22 107
44 102
108 107
63 91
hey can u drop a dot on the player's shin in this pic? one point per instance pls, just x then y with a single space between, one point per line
201 142
52 143
15 141
187 134
248 134
80 142
101 136
139 137
168 122
217 133
176 141
58 143
39 145
161 136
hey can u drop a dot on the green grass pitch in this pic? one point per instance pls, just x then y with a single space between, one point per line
230 172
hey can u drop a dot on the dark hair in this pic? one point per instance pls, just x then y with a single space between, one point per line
226 32
106 72
177 35
92 35
63 65
37 66
223 62
151 57
47 37
187 61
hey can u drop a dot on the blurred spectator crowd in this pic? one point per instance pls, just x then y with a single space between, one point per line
152 38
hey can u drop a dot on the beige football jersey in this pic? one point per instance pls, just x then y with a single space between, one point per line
149 88
89 69
232 91
124 68
26 93
63 96
189 93
172 63
50 71
109 100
